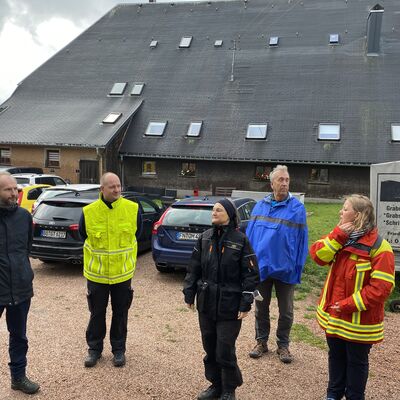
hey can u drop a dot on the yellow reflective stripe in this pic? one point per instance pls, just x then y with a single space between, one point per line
330 248
353 257
385 246
355 336
323 299
356 317
348 325
363 267
109 252
358 301
383 276
110 278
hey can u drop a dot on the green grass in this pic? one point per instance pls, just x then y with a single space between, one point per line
322 219
301 333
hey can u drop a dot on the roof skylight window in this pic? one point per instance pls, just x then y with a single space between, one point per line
194 129
218 43
112 118
274 41
334 38
256 131
118 89
396 132
155 128
153 44
137 89
185 42
329 132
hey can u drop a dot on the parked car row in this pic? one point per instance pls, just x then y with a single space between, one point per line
176 232
56 224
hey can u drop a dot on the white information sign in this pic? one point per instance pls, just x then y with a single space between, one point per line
385 196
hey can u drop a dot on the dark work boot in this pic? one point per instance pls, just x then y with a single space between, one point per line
119 359
228 396
92 358
211 393
25 385
259 349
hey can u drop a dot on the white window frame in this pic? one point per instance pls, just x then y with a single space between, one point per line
112 118
185 42
154 124
54 157
263 131
324 134
395 132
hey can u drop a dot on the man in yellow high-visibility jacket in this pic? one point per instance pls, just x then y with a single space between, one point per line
109 226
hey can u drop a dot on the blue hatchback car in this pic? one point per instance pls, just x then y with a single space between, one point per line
175 233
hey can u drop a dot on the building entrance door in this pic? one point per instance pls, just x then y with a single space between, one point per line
89 171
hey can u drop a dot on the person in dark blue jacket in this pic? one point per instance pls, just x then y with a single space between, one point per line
16 277
278 234
222 276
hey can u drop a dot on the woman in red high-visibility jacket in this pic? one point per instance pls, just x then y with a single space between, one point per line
350 308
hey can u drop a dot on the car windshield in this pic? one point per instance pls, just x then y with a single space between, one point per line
66 210
187 216
22 181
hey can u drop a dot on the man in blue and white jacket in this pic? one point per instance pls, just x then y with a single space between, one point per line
278 234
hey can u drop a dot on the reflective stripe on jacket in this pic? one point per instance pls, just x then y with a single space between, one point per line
110 248
360 278
278 234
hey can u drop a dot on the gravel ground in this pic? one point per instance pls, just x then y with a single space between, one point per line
164 353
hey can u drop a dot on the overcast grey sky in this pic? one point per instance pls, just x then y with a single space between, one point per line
31 31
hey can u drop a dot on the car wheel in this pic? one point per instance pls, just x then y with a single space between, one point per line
164 270
395 305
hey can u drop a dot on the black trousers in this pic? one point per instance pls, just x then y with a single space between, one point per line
121 298
348 369
220 362
16 318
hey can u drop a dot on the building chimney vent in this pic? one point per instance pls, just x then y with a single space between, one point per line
374 27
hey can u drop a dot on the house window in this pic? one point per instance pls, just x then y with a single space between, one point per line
118 89
334 38
153 44
155 128
319 175
273 41
52 158
137 89
112 118
185 42
329 132
5 156
149 168
256 131
194 129
262 172
395 132
188 169
218 43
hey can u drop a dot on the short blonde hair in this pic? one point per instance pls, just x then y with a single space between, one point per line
277 169
365 220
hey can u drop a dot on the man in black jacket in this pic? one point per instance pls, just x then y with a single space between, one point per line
16 277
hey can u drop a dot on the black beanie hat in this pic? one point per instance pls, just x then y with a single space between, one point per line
230 209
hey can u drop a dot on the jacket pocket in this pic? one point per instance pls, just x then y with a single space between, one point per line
201 299
229 303
126 235
98 238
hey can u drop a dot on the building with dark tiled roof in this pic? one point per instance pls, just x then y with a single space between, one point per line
214 94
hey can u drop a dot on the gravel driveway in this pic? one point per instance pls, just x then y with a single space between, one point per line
164 353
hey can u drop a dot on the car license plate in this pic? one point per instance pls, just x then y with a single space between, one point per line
187 236
53 234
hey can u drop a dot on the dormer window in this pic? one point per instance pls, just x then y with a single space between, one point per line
334 38
274 41
329 132
257 131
